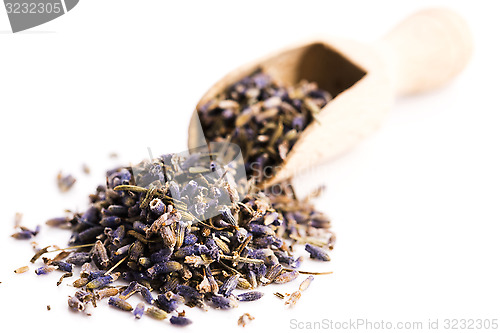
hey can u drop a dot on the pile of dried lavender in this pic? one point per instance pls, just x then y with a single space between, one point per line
187 228
159 243
264 118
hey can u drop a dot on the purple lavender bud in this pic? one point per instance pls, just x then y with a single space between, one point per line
63 266
44 270
190 239
23 234
213 249
78 258
75 304
229 285
121 177
260 229
101 282
250 296
284 258
91 216
130 290
157 207
184 251
95 274
166 304
111 221
189 293
180 321
118 235
119 303
164 268
263 242
140 227
139 310
317 252
260 270
200 249
221 302
89 235
146 295
299 123
135 210
114 210
261 80
161 255
277 242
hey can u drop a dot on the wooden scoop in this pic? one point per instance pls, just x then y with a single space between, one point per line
423 52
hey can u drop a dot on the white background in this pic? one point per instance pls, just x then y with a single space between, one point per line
415 207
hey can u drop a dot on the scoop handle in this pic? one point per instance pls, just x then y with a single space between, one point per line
427 50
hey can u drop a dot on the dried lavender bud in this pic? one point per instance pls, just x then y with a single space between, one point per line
317 253
90 217
89 235
111 221
156 313
44 270
146 295
75 304
286 277
189 293
59 222
62 266
131 289
190 239
161 255
65 183
167 304
95 274
157 206
24 234
101 281
78 258
83 296
139 310
272 273
164 267
120 303
115 210
180 321
221 302
250 296
184 252
229 285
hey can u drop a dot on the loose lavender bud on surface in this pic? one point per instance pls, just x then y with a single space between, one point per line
317 252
